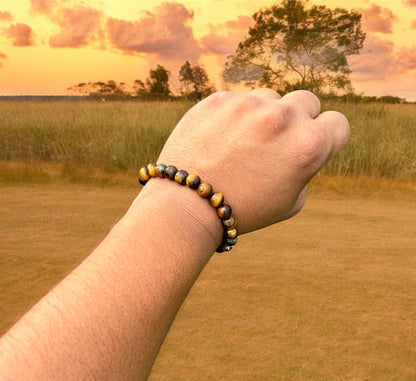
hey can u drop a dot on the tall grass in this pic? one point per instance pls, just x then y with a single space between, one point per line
109 136
382 143
122 135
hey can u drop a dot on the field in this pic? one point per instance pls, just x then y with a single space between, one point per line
328 295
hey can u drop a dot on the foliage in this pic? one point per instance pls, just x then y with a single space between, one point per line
103 90
194 82
292 47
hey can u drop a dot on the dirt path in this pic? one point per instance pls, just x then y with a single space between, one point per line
330 294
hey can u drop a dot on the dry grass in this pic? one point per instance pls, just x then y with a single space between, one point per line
328 295
121 136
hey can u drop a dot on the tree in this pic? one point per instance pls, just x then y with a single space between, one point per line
110 90
157 84
293 47
194 82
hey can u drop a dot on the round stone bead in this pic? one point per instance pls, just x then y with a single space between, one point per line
152 169
229 222
223 247
160 170
224 212
231 241
142 181
144 173
231 233
193 181
181 176
170 172
205 190
217 199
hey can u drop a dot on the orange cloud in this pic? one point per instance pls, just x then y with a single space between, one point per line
42 6
380 60
412 3
164 33
224 38
78 26
413 25
377 19
21 34
5 16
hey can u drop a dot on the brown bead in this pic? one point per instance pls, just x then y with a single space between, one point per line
142 181
217 199
229 222
205 190
224 212
231 241
181 176
223 247
160 170
231 233
170 172
193 181
152 169
144 173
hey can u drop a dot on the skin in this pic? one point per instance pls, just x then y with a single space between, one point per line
108 318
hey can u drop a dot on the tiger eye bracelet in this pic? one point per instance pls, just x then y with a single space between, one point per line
192 181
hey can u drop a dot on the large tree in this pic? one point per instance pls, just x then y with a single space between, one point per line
294 47
194 81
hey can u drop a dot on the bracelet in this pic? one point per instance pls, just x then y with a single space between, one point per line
194 182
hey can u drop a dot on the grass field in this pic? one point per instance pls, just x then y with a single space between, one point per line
40 140
328 295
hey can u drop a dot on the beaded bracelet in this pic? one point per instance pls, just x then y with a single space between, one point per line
194 182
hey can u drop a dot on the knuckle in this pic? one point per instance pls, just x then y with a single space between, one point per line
311 148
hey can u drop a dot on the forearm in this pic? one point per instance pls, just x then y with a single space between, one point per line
109 317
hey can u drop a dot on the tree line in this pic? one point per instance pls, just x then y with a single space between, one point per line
290 46
194 85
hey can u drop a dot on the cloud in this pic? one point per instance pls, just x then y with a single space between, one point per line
5 16
224 38
21 34
377 19
78 25
411 3
164 33
380 60
42 6
413 25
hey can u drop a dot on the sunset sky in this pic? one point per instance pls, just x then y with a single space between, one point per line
47 46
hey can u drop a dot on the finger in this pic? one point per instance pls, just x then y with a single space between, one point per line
264 92
303 101
336 127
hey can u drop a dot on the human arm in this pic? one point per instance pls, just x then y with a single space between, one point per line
109 317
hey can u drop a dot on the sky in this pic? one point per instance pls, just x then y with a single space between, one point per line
47 46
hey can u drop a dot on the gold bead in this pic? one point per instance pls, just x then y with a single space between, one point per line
144 173
152 169
217 199
205 190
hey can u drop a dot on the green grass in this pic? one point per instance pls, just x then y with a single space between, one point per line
79 140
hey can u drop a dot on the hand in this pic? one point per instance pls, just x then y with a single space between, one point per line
257 148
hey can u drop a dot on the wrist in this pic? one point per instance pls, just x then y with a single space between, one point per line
192 216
